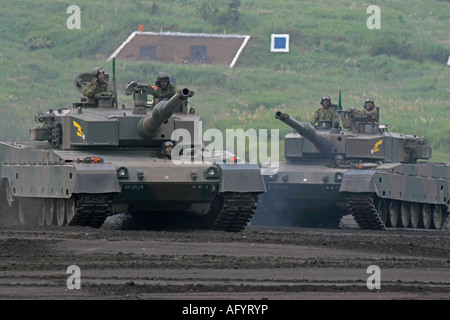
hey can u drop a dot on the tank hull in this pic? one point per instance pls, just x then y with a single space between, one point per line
393 195
397 195
37 179
304 195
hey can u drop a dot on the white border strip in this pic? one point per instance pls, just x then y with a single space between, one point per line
122 46
239 51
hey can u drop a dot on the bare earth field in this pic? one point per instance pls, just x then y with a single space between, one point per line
259 264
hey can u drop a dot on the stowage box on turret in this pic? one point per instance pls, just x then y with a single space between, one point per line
364 170
93 160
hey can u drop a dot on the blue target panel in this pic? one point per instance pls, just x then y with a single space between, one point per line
279 43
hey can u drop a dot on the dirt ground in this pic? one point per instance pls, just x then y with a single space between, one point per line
260 263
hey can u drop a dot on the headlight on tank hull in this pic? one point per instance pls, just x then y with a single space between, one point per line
338 177
122 173
212 172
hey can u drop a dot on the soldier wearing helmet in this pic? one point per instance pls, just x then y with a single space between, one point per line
98 87
326 113
163 89
166 149
370 110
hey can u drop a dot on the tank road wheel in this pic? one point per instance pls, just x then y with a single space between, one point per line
382 210
404 214
436 216
27 211
44 211
50 217
425 216
70 209
393 213
9 206
60 211
40 211
415 215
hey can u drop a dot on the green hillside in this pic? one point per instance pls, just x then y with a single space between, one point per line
402 65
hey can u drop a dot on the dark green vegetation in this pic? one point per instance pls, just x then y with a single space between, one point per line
402 65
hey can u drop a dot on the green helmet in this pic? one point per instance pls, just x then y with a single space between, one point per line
367 101
164 146
96 71
325 98
162 76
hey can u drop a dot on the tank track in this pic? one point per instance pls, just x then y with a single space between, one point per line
363 210
236 212
91 210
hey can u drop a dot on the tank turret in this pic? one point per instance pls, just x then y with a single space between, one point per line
364 140
87 124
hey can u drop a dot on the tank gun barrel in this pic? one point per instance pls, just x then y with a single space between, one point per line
306 130
149 125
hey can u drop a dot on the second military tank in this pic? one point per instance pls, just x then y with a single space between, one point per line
361 169
92 160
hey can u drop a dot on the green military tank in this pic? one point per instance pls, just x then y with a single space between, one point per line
361 169
93 160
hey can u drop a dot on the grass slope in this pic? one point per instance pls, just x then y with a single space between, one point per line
402 65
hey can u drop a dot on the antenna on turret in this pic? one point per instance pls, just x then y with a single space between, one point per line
429 127
340 102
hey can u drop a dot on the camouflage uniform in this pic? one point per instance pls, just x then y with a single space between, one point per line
160 93
93 90
372 114
323 114
164 94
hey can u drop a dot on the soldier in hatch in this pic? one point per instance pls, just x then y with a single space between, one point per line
164 89
166 149
370 110
99 87
326 113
